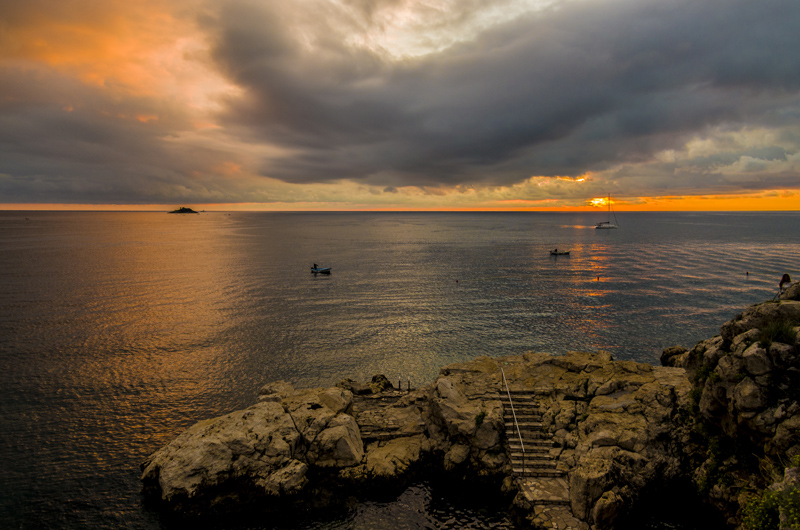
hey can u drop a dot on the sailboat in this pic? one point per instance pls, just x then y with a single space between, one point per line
603 225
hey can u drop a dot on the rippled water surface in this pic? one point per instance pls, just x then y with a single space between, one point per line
118 330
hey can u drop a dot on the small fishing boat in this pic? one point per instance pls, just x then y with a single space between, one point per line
557 252
320 270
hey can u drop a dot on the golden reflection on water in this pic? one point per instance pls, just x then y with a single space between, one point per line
599 268
150 298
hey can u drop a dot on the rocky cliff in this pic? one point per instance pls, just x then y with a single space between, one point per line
588 438
745 422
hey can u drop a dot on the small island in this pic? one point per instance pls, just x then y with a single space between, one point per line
183 209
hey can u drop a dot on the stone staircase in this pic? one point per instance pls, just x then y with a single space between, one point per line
535 469
536 460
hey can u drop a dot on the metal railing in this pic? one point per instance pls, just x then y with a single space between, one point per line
514 414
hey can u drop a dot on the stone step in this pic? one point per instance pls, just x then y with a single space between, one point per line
533 464
538 453
536 472
518 399
531 426
541 441
510 425
384 435
521 407
523 426
545 491
523 402
518 413
533 414
529 442
527 434
530 447
531 454
519 402
528 416
510 422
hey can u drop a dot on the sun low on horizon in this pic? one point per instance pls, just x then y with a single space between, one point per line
784 202
422 105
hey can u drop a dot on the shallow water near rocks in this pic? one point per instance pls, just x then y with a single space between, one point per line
422 505
119 330
672 507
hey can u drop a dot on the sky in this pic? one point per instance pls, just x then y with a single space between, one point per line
400 104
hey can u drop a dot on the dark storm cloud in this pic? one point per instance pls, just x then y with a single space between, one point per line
581 86
64 141
120 102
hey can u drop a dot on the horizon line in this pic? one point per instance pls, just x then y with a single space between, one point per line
127 209
774 200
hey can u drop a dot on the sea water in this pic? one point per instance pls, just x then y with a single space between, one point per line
119 330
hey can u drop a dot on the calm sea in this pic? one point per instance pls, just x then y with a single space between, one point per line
119 330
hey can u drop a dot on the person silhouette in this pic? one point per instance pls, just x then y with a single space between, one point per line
785 281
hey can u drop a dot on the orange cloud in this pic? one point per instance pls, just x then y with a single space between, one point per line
228 169
138 47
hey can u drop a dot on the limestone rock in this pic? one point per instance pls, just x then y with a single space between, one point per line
380 383
465 412
266 448
758 316
259 444
748 396
785 436
673 356
338 444
336 399
607 510
355 387
275 391
393 458
756 360
792 292
457 454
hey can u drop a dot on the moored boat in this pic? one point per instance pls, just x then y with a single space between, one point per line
605 225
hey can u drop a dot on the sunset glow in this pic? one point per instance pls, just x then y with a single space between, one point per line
419 105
